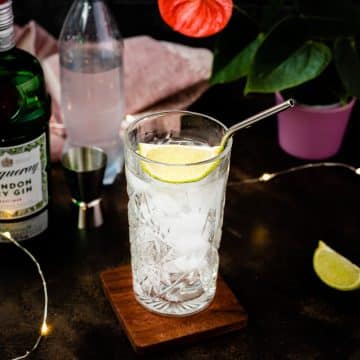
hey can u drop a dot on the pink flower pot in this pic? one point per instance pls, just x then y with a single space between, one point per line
313 132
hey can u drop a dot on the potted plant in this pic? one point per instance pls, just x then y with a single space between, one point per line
307 50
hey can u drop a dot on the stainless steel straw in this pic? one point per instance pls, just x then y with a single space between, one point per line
255 118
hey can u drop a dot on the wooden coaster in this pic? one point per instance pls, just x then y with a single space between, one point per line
148 331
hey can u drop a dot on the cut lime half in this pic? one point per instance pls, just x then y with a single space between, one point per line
334 269
179 162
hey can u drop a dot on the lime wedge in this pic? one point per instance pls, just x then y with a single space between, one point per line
181 155
334 269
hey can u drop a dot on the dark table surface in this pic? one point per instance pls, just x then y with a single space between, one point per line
269 235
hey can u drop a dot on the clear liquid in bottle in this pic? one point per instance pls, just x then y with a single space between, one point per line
92 96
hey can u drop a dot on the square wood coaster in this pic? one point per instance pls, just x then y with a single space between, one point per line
148 331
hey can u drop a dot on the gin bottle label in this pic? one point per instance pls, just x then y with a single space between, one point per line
27 228
23 179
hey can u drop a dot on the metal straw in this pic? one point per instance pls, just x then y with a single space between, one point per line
255 118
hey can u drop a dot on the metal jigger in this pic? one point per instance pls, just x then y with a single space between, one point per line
84 169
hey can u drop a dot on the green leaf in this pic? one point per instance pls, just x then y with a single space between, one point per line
348 65
239 66
304 64
286 58
283 40
237 35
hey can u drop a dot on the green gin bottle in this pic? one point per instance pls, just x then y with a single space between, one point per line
24 136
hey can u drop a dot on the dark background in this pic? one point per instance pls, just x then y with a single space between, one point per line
270 232
135 17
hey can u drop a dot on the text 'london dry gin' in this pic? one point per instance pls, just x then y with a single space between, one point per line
24 138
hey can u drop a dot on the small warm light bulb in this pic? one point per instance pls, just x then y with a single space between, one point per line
45 329
266 177
129 118
5 236
357 171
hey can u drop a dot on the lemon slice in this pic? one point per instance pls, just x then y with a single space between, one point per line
181 155
335 270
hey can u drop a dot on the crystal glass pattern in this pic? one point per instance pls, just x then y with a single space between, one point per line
175 228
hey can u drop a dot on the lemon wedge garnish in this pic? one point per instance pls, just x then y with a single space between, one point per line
181 155
334 269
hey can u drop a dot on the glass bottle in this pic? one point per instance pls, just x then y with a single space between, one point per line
24 136
91 72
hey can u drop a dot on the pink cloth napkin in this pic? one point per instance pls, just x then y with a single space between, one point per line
158 75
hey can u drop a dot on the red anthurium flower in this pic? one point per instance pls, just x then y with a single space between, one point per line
196 18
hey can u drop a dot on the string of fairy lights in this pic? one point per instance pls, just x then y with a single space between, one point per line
44 328
270 176
265 177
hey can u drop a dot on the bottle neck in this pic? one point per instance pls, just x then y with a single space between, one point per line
7 30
